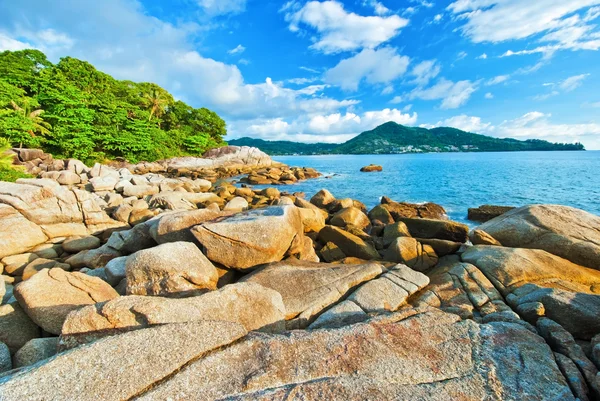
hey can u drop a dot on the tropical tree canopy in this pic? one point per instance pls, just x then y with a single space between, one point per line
70 109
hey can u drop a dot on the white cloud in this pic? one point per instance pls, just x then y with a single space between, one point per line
243 61
425 71
139 47
461 55
463 122
331 128
568 85
339 30
532 125
397 99
378 7
483 57
8 43
453 94
221 7
489 95
309 70
388 90
373 66
501 20
572 83
438 18
237 50
497 80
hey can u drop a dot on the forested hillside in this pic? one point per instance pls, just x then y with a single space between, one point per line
70 109
392 138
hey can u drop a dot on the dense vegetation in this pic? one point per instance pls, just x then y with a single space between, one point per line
278 148
70 109
392 138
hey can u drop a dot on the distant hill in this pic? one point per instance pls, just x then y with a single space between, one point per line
392 138
278 148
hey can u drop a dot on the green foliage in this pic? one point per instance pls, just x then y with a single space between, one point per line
391 138
8 172
73 110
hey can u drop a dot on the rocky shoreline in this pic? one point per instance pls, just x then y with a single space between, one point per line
165 281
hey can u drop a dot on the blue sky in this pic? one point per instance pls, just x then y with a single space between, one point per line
328 70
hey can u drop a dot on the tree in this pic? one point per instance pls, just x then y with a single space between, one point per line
155 99
37 124
73 110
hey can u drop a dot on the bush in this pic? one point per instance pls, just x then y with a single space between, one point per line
9 172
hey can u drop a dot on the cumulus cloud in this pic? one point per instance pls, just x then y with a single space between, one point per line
154 51
532 125
373 66
338 30
332 128
556 20
453 94
463 122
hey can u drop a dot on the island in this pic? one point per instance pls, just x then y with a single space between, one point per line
393 138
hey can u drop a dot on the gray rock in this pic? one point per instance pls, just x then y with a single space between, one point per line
173 269
16 328
36 350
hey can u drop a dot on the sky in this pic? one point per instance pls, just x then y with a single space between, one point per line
325 71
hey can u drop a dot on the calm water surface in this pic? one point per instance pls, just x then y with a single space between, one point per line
458 181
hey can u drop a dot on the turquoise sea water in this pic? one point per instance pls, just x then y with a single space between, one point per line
459 181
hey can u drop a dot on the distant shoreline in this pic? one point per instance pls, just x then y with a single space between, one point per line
426 153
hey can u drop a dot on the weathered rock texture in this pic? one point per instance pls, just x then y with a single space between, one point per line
564 231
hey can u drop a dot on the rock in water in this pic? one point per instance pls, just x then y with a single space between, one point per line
49 296
250 238
119 368
371 168
564 231
173 269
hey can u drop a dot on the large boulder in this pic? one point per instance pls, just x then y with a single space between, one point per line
49 296
567 293
428 356
248 304
409 251
250 238
36 350
175 226
485 213
16 328
438 229
350 216
349 244
18 233
122 367
307 288
173 269
561 230
400 210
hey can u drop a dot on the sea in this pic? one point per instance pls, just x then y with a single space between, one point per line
459 181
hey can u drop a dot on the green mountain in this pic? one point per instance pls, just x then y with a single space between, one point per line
392 138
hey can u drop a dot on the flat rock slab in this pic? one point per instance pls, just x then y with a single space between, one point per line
50 295
250 238
564 231
430 356
118 368
307 287
249 304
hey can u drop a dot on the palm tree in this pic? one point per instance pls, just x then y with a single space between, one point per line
38 124
157 100
6 157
